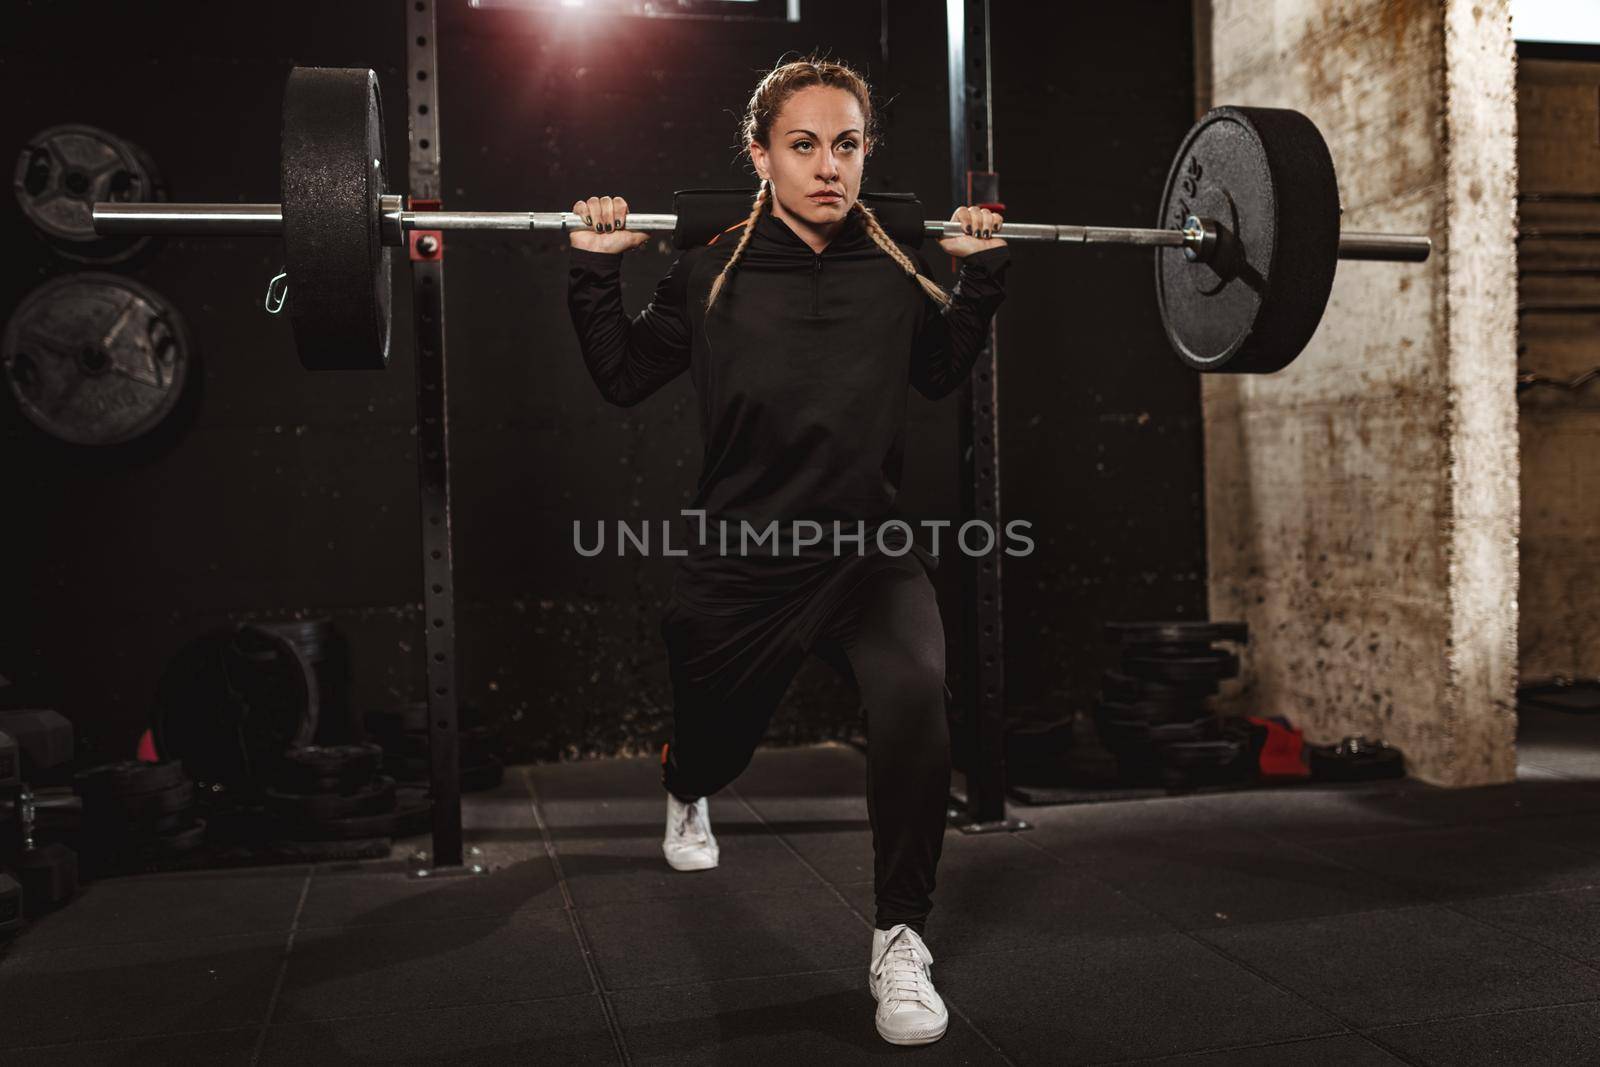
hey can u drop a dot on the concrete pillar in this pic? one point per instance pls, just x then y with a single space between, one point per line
1362 505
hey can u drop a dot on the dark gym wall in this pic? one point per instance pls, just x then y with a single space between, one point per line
293 494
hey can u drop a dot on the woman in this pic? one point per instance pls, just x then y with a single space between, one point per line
802 328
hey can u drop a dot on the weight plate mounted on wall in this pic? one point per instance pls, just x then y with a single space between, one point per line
63 170
95 359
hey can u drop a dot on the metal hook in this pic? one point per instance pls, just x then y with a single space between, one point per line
282 292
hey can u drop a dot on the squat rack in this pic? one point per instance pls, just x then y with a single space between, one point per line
974 181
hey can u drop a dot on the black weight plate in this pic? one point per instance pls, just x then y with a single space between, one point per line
133 807
95 359
329 851
352 763
311 636
333 177
1216 666
64 170
128 777
301 808
1177 633
412 814
1171 733
1267 175
232 701
105 827
1190 648
1155 713
1202 753
1118 734
1126 687
355 827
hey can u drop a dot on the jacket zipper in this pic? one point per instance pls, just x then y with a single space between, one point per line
816 276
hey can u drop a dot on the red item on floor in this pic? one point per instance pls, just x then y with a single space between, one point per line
147 748
1281 754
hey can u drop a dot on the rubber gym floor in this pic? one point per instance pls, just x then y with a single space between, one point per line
1376 923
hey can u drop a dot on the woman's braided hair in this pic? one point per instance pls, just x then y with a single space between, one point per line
770 95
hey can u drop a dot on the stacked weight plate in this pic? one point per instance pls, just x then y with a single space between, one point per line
136 814
322 646
403 732
1155 715
335 793
231 702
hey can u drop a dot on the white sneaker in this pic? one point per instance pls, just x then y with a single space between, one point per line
910 1012
689 844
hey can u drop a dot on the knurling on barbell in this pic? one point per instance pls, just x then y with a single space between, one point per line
1245 251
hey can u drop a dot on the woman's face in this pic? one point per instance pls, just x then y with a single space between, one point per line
817 145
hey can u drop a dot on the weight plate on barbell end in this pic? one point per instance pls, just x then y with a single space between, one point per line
332 178
95 359
63 170
1266 174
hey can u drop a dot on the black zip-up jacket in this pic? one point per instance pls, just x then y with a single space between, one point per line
802 371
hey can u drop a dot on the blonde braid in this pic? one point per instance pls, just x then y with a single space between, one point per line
763 195
883 241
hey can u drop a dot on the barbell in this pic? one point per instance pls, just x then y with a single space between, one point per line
1245 252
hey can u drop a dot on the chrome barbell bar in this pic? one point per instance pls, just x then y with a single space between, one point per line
396 221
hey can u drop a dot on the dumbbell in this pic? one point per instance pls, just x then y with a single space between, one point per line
49 874
43 738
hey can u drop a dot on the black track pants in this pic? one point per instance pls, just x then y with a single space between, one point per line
886 636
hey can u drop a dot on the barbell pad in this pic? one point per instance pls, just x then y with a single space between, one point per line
705 213
333 178
1266 175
